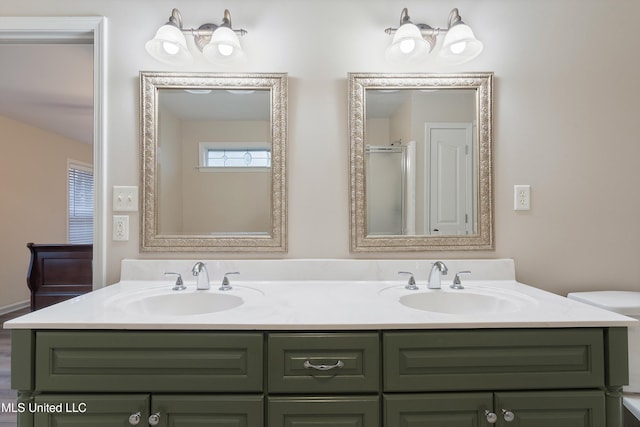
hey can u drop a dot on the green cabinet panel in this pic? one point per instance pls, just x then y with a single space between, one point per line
437 409
617 360
344 362
89 410
148 361
23 343
210 411
336 411
552 408
467 360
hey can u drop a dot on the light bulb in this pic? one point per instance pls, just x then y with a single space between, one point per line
458 48
225 49
170 48
407 46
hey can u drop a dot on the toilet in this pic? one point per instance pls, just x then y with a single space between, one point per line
628 304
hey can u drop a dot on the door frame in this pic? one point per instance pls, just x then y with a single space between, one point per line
69 29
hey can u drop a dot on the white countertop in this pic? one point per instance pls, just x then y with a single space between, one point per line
316 305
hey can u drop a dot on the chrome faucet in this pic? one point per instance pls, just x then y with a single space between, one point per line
437 271
202 276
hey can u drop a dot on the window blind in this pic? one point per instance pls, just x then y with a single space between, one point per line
80 204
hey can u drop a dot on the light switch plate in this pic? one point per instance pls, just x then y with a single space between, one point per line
125 199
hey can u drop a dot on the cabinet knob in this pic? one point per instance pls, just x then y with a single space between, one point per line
508 415
491 417
134 419
154 419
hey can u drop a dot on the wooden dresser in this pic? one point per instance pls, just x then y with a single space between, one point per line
58 272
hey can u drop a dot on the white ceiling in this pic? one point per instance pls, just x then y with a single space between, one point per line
49 86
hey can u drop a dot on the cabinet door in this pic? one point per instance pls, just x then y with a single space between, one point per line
551 409
343 411
89 410
437 410
209 411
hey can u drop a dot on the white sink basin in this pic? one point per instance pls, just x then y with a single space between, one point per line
163 301
181 303
472 300
459 303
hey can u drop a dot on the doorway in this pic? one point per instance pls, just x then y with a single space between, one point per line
65 31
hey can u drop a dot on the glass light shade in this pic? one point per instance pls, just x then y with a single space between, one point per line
224 46
460 45
169 46
408 44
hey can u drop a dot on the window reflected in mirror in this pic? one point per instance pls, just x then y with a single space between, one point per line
213 161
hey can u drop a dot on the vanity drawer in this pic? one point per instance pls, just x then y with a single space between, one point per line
493 359
148 361
323 363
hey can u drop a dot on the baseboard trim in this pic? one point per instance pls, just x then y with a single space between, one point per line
14 307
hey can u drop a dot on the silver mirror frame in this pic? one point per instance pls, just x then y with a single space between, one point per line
358 84
150 240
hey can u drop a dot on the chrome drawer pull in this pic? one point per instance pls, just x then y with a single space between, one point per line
339 364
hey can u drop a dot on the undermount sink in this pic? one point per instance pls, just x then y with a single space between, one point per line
463 302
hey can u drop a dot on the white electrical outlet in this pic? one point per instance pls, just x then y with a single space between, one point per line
121 227
125 199
522 197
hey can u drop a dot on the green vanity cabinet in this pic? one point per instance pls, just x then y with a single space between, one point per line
569 377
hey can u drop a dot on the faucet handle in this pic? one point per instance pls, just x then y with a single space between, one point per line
179 286
226 286
457 284
411 284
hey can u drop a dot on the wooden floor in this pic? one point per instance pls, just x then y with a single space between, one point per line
7 395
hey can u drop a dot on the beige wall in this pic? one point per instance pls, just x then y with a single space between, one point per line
33 190
565 118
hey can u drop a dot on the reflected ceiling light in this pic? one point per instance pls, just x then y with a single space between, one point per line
414 41
216 42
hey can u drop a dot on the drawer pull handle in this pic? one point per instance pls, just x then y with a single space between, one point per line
154 419
134 419
339 364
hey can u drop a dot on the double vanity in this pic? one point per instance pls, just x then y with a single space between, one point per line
326 342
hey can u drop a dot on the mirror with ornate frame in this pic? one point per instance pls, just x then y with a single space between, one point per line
421 161
213 162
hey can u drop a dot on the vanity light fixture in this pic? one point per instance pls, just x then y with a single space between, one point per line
216 42
414 41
